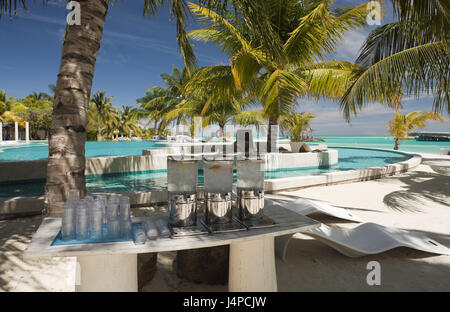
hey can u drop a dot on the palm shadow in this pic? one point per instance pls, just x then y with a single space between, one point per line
15 236
420 188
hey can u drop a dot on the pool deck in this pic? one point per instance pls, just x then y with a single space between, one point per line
418 200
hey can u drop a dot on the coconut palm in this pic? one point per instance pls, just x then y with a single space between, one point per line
296 124
161 104
39 96
37 100
302 33
9 116
411 52
153 104
232 113
102 115
127 123
10 109
5 102
403 124
212 94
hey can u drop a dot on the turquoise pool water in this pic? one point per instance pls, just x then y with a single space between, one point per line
387 143
39 150
349 159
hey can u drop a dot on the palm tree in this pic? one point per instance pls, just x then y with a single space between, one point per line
412 52
301 33
10 109
128 122
403 124
154 104
102 115
9 116
37 100
212 94
39 96
161 104
6 103
296 124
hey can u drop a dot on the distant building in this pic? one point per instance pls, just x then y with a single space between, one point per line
431 136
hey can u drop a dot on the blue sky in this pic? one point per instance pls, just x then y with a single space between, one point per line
136 50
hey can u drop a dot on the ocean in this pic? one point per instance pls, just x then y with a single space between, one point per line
385 142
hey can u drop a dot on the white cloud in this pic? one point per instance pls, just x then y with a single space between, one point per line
348 48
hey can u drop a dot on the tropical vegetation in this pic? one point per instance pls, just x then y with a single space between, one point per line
410 55
296 124
36 109
284 61
403 124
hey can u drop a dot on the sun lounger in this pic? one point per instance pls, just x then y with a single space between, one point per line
366 239
306 207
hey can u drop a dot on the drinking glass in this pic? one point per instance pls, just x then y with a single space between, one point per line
68 222
82 223
139 236
151 230
73 194
163 230
113 226
96 221
113 210
104 203
125 228
124 208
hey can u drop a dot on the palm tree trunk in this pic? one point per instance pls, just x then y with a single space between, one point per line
396 144
272 122
222 131
66 159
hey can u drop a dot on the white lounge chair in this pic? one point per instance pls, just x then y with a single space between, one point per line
306 207
366 239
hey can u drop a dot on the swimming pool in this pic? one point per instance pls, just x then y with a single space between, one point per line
39 150
349 159
386 143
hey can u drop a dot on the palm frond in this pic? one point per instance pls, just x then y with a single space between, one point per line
11 6
330 79
432 15
280 91
249 117
420 69
208 16
245 67
318 32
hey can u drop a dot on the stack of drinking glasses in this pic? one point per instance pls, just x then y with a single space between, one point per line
112 217
69 216
97 219
125 218
86 218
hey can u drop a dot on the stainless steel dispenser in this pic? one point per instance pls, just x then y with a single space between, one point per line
218 175
182 174
250 189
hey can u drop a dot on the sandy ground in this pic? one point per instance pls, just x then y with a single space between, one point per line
417 200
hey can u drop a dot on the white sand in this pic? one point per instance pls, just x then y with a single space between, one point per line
417 200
